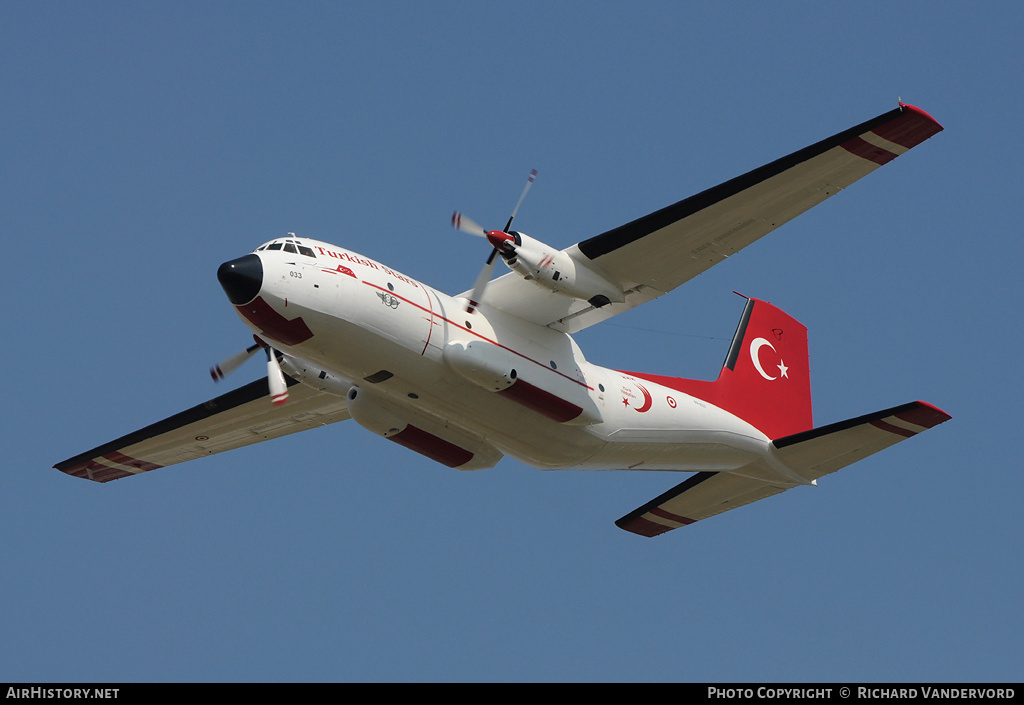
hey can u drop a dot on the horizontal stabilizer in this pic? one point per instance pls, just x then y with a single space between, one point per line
701 496
813 454
810 454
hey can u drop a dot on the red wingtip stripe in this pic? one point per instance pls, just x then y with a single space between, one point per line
122 459
643 527
100 469
102 473
646 527
911 128
864 149
659 512
898 430
919 414
924 415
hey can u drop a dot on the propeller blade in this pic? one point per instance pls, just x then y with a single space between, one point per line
466 225
222 370
275 378
481 282
529 183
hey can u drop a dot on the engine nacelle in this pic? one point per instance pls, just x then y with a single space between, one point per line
426 436
372 415
555 270
493 368
482 363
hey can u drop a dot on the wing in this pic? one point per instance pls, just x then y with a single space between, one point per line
656 253
238 418
811 454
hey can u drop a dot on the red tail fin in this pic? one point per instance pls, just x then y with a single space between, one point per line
765 380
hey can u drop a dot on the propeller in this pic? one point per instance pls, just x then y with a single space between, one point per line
275 377
501 241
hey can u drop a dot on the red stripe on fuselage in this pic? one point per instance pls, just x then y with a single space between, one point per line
430 320
477 335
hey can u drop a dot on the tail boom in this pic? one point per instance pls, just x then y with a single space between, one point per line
765 379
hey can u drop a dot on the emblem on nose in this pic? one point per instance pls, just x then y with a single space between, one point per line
241 278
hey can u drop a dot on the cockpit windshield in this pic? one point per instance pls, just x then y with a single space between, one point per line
289 244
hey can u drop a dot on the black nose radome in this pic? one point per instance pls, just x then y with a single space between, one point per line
241 278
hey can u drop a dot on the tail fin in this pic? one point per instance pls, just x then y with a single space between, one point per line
766 378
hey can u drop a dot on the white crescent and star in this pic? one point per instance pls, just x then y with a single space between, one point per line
755 347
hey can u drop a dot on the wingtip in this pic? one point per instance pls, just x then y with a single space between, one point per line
641 526
921 113
931 414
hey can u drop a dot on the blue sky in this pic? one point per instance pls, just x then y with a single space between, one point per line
145 143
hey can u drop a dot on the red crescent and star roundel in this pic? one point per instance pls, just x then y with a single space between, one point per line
645 405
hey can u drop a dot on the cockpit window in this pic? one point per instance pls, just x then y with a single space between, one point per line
288 245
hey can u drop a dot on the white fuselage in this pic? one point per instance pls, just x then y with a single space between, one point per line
484 380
